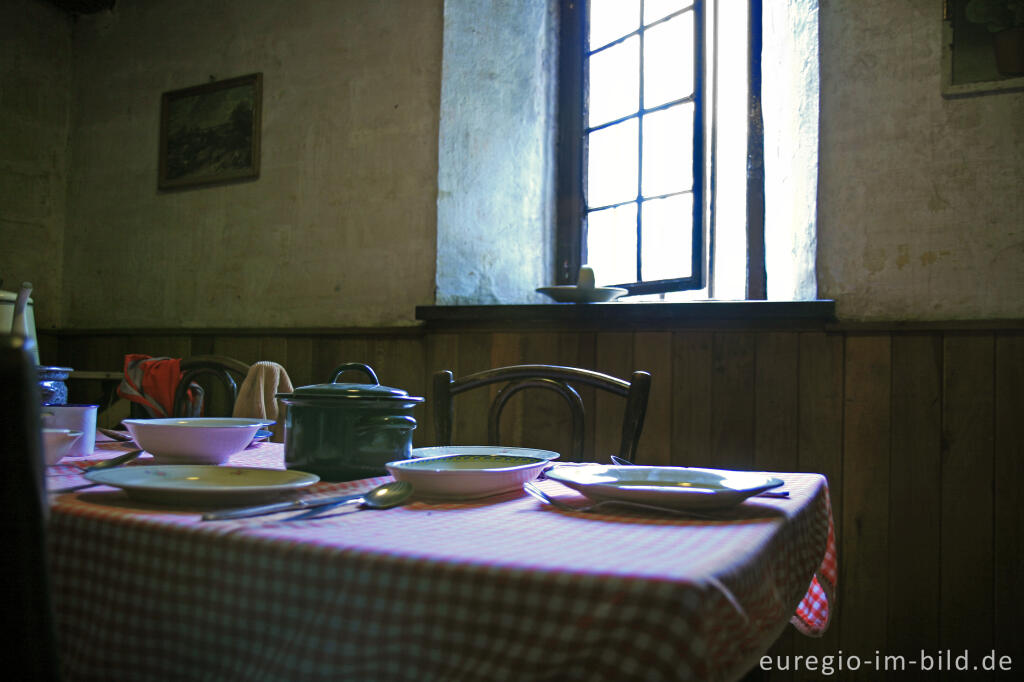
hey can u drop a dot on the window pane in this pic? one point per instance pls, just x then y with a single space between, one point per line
667 238
668 61
668 151
611 19
612 164
656 9
614 82
730 182
611 244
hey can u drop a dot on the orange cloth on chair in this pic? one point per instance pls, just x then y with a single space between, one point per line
256 397
151 382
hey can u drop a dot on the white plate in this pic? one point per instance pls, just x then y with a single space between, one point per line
203 484
466 476
483 450
677 487
570 293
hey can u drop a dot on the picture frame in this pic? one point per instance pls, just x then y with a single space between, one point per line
974 47
210 133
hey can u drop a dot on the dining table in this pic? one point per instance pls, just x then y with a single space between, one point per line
499 588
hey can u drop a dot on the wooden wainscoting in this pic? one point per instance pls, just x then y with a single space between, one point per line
919 431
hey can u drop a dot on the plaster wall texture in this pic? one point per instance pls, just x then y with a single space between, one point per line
920 213
339 228
35 93
495 205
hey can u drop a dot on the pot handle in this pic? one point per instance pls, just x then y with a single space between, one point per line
375 423
358 366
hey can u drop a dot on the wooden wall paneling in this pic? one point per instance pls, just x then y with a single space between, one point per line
732 400
49 347
507 349
914 487
170 345
691 398
777 401
329 352
202 344
273 349
440 352
966 613
94 353
820 450
473 355
652 352
1009 499
863 547
776 424
546 418
403 359
298 361
586 357
244 348
613 355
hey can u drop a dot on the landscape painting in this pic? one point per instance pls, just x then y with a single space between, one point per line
210 133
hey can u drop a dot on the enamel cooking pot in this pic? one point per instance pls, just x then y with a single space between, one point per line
347 431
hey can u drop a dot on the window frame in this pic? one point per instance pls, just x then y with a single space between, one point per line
572 134
570 157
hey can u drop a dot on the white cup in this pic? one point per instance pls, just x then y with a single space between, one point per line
77 418
586 278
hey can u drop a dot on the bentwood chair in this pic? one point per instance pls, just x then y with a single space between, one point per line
215 378
29 630
555 378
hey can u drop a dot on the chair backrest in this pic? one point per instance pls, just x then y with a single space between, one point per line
218 377
27 606
556 378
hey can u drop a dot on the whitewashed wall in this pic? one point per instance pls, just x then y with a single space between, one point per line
920 211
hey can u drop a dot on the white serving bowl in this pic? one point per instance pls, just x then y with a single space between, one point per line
466 476
193 440
57 443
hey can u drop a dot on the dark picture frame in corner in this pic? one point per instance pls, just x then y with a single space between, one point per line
210 133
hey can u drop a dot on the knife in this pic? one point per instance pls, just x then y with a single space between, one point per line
259 510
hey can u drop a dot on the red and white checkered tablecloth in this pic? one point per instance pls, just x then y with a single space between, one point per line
502 588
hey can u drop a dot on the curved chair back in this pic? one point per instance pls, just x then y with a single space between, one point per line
555 378
217 378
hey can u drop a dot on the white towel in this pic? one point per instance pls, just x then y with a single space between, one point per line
256 396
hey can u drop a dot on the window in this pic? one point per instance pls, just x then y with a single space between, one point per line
510 214
658 188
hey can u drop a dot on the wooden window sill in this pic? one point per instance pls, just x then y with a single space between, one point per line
611 316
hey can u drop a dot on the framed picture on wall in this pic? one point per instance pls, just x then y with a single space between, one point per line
982 47
210 133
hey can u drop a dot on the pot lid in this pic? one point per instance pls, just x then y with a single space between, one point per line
352 390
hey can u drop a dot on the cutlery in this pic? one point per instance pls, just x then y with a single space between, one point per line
383 496
304 504
558 504
99 466
767 493
274 507
116 435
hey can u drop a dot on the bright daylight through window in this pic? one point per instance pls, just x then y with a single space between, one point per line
653 170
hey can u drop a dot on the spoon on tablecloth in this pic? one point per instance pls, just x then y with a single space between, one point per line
621 461
99 466
384 496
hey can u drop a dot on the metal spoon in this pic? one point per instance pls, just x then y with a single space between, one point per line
384 496
99 466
